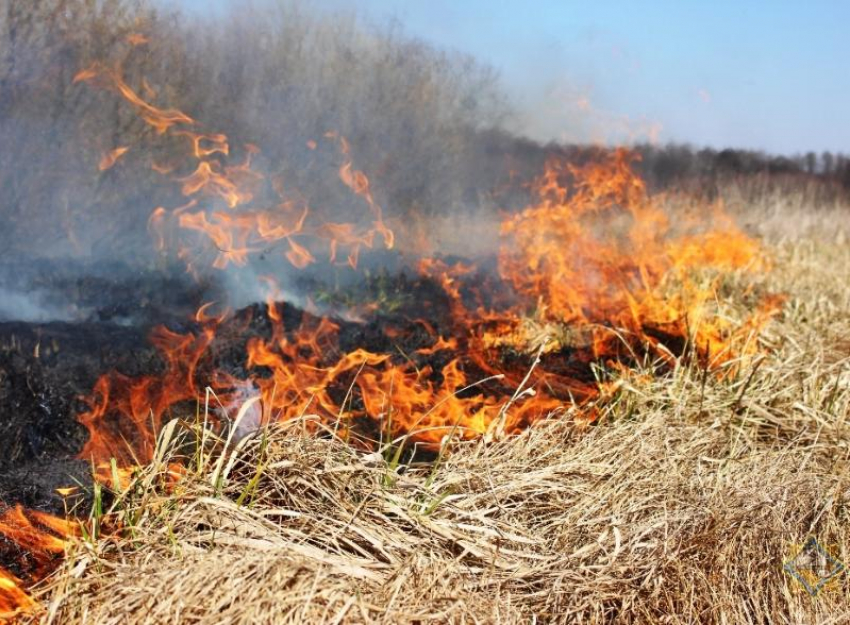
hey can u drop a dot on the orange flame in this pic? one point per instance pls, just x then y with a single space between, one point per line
110 158
137 39
125 411
43 537
594 253
602 252
160 119
13 598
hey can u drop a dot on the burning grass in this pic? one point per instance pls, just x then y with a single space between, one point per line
679 505
597 418
595 263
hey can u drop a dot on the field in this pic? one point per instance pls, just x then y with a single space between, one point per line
296 326
679 505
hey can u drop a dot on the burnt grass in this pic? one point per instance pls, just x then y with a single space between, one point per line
48 368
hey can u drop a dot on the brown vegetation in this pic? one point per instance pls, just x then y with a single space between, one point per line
680 506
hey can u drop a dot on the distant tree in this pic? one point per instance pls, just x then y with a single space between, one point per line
828 162
782 165
730 161
811 162
842 171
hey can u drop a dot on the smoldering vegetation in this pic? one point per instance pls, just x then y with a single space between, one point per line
277 78
280 78
428 127
682 502
681 506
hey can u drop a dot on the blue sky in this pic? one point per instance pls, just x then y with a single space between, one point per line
760 74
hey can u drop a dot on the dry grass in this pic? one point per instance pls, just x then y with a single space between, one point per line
679 507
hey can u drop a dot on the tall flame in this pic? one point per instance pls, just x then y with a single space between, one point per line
594 256
602 253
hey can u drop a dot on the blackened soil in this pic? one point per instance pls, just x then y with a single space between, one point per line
46 369
98 292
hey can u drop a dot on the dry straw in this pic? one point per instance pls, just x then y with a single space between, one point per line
680 506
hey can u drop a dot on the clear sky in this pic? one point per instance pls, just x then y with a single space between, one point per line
764 74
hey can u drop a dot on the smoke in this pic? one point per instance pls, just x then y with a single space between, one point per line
419 122
15 305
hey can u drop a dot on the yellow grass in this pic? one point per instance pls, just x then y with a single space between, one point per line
680 506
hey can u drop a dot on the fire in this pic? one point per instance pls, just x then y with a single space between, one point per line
109 159
593 270
43 538
594 253
13 599
221 192
137 39
603 254
160 119
359 184
142 403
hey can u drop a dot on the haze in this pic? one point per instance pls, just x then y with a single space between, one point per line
759 75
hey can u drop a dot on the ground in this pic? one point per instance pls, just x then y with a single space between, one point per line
681 504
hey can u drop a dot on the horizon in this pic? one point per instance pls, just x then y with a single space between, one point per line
719 76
